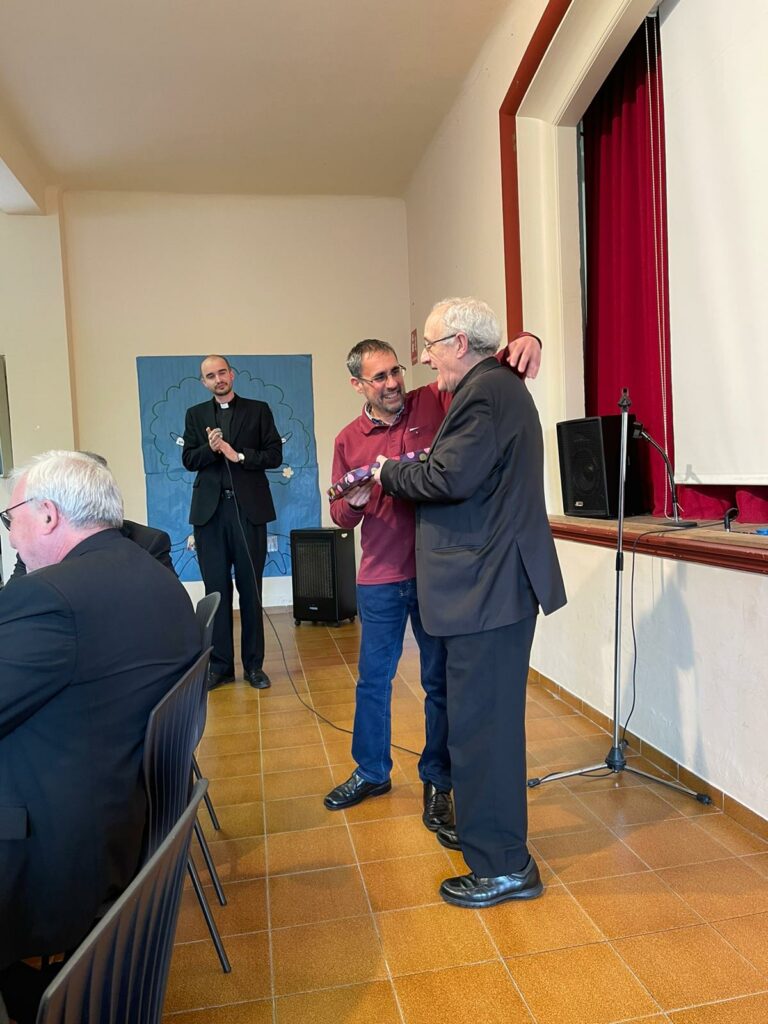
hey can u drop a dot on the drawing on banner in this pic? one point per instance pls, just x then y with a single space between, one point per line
168 386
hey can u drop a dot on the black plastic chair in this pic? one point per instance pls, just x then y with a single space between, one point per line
168 747
119 973
205 613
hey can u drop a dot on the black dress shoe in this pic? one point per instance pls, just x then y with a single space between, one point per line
476 893
216 679
354 791
438 808
258 679
448 837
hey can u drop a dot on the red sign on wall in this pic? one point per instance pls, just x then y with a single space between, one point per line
414 348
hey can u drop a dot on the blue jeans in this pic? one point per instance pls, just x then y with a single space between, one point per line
384 609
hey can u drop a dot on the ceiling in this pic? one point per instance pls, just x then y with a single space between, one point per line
234 96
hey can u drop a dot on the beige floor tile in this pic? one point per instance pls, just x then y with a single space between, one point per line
719 889
397 837
287 759
196 979
298 736
406 881
554 921
397 803
246 911
581 985
433 937
313 896
373 1003
242 789
339 750
554 810
300 812
311 850
628 805
236 820
632 904
479 994
750 936
230 743
733 837
239 1013
227 766
327 700
236 859
549 727
759 862
325 955
302 782
688 966
221 725
272 720
583 855
663 844
747 1010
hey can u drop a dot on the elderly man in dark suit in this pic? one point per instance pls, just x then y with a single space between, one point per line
156 542
90 640
485 563
229 442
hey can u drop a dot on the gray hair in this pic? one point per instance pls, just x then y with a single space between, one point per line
364 348
84 491
474 318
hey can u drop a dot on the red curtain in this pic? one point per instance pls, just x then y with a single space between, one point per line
627 333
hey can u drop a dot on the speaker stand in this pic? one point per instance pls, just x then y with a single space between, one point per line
615 761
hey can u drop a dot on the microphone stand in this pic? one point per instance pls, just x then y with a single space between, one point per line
638 430
615 761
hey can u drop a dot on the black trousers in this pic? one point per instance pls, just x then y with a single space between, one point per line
220 548
487 674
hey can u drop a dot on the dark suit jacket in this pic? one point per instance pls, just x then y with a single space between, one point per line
156 542
87 648
485 556
253 433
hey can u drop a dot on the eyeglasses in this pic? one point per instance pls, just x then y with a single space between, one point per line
381 378
428 344
5 518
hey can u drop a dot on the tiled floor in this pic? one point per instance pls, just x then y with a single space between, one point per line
656 908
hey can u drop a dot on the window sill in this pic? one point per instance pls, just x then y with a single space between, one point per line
708 544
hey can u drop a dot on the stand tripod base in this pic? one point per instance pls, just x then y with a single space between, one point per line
616 762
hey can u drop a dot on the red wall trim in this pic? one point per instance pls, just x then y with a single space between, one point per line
510 201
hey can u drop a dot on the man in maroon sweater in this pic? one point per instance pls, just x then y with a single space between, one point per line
393 422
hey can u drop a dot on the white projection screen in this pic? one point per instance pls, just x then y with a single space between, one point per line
715 67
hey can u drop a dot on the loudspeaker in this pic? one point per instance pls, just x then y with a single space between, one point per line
589 467
323 567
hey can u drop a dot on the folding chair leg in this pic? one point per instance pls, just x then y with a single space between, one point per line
208 801
201 899
210 865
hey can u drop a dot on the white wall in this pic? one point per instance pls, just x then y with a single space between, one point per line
33 339
700 697
455 239
165 275
701 660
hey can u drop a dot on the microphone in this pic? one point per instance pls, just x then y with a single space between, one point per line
639 431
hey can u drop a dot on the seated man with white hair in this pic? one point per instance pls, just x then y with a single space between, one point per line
90 640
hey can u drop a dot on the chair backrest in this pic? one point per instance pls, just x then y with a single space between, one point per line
205 613
118 974
169 744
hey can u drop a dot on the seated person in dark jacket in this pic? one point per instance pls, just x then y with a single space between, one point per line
89 643
156 542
